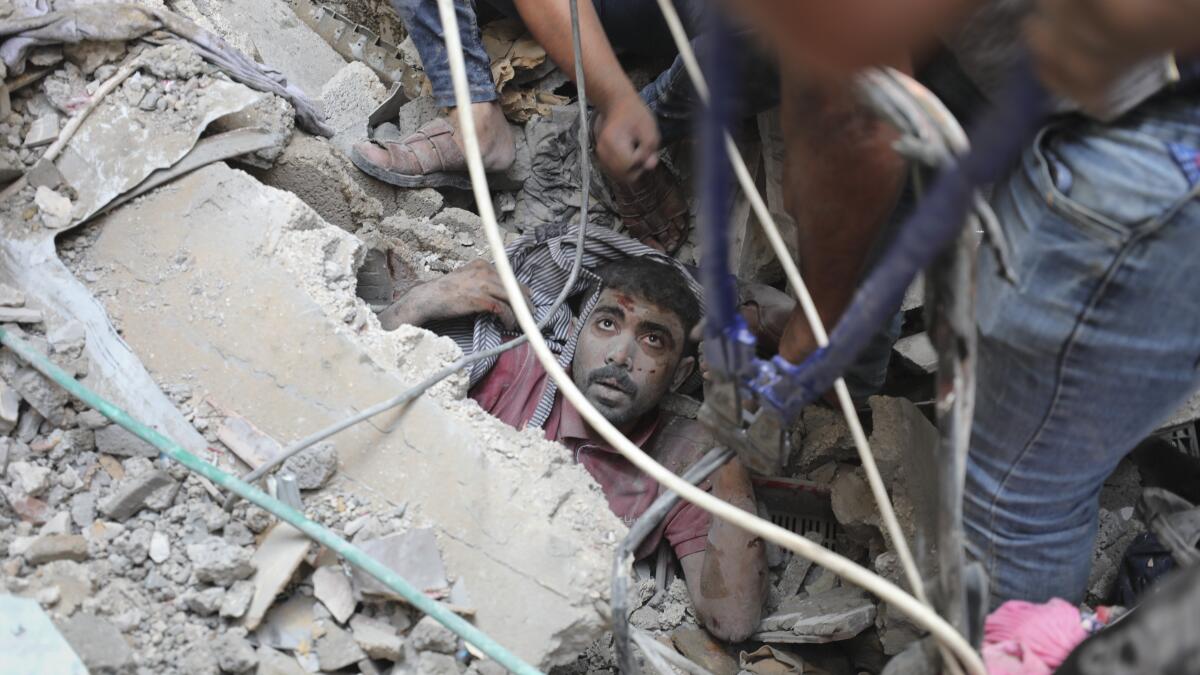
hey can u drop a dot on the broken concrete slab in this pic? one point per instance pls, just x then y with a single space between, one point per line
332 587
133 494
98 643
117 441
413 555
262 260
836 614
377 638
337 649
30 643
275 561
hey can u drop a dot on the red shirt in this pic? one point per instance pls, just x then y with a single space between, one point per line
511 391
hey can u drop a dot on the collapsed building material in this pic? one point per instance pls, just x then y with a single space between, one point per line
29 642
275 561
261 258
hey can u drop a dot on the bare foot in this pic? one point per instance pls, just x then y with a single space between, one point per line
496 142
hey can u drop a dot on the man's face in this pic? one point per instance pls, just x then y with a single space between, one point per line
629 356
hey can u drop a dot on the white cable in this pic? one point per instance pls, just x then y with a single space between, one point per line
891 523
847 569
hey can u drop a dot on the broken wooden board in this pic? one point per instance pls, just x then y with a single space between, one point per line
282 340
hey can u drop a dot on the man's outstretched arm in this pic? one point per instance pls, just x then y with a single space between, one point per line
728 580
473 288
627 135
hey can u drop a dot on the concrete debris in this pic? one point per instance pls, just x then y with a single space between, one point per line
205 602
272 114
337 649
699 647
116 441
275 561
377 638
328 182
29 479
45 397
421 203
160 547
29 642
332 587
237 600
312 467
234 653
55 208
11 297
836 614
413 555
272 662
98 643
917 352
51 547
347 99
216 562
824 437
153 488
430 636
43 131
900 435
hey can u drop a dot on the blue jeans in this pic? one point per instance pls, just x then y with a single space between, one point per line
632 26
1096 344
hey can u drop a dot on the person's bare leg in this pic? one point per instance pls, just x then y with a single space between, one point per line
496 142
841 181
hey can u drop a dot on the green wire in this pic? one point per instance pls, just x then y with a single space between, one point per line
354 555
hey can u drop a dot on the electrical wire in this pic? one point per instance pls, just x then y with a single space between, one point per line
792 272
921 615
576 265
641 528
351 553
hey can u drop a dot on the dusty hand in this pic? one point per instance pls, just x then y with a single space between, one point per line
627 139
474 288
1082 46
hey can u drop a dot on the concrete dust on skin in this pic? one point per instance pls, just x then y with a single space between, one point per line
245 293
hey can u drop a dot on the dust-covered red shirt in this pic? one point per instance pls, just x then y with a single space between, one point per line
511 390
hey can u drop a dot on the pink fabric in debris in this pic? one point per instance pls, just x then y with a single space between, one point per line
1021 638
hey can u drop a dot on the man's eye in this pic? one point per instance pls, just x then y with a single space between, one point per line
654 340
606 324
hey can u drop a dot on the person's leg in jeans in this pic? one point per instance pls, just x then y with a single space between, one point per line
1094 346
436 150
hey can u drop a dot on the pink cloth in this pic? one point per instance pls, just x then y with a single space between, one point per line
1021 638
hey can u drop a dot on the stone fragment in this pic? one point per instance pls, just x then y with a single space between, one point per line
896 630
413 555
132 494
337 649
83 509
91 419
10 406
459 220
29 479
237 600
216 562
55 208
11 297
332 587
793 575
73 581
312 467
377 638
917 352
234 653
825 437
430 636
98 643
43 131
46 397
272 662
116 441
6 453
326 180
853 504
900 435
420 203
433 663
275 561
204 602
160 547
51 547
837 614
347 99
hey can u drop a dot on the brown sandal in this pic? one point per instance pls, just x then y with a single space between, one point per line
428 157
653 209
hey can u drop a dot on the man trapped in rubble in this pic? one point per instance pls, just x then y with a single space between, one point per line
626 348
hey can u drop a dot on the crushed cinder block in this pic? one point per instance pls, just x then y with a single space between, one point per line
216 562
266 248
431 636
98 643
312 467
337 649
116 441
137 493
51 547
377 638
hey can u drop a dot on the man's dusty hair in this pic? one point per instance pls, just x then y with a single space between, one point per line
656 282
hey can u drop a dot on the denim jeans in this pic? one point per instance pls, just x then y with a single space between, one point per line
632 26
1092 348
